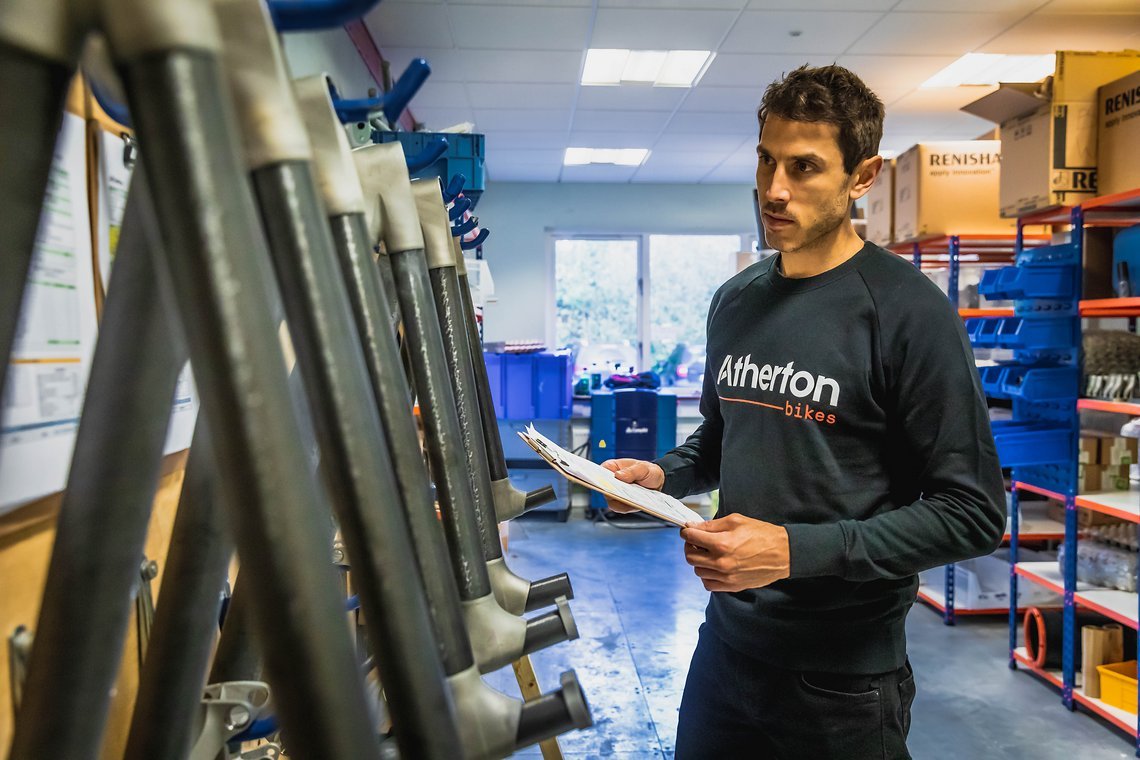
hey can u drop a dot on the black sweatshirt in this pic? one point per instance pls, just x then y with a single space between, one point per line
847 408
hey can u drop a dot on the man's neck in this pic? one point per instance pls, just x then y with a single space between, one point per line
822 255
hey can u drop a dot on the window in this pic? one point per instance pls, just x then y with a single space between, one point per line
640 300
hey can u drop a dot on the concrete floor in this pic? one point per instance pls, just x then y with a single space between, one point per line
638 605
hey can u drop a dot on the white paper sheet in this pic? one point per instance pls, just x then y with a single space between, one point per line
594 475
51 357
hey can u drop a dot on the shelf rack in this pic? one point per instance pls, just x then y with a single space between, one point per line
1058 480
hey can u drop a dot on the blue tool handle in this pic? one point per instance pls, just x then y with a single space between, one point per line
454 188
405 88
460 207
301 15
352 603
259 729
463 229
110 106
478 241
428 156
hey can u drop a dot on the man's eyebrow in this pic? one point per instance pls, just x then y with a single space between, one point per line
811 158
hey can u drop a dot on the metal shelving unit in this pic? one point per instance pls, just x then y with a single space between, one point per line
950 252
1058 480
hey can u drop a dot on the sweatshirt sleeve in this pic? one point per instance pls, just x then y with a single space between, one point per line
939 426
694 466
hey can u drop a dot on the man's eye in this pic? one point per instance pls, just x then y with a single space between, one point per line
803 167
766 160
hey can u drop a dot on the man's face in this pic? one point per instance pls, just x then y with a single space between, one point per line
804 191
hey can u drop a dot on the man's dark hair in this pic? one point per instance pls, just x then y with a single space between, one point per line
833 95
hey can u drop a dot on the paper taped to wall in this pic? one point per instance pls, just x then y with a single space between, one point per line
598 478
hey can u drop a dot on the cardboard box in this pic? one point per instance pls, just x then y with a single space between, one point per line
1118 135
1086 518
1118 451
949 188
1049 130
1088 450
881 206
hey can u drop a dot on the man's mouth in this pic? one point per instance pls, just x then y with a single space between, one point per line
774 220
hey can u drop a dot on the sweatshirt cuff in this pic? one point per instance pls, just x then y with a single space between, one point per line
678 480
816 550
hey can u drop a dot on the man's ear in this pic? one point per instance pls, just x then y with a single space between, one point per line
864 176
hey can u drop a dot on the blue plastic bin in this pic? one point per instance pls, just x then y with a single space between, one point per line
983 331
1022 443
1035 334
494 364
518 386
992 380
1041 383
553 385
465 155
1017 283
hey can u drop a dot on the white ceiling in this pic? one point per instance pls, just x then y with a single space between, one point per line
512 67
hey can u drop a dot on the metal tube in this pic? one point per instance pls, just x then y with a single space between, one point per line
362 483
106 507
32 92
237 657
370 308
186 619
437 405
210 228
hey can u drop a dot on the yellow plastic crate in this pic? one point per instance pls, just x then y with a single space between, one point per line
1118 685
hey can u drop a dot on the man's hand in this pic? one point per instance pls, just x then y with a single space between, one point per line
634 471
736 553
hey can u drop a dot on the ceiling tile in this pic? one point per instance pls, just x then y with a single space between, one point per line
674 143
706 159
734 5
658 29
932 33
534 140
495 95
823 32
742 123
1046 32
649 122
704 98
414 25
492 65
439 118
523 173
821 5
746 70
894 72
899 142
495 27
631 98
597 173
511 157
941 100
521 119
730 175
579 3
671 173
584 139
435 94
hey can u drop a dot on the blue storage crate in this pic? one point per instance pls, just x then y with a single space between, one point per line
1035 334
983 331
465 155
992 380
518 386
1017 283
494 364
553 385
1041 383
1025 443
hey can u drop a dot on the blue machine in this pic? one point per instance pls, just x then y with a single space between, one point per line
635 423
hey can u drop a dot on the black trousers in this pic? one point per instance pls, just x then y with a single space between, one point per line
736 707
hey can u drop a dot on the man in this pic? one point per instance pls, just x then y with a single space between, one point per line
848 433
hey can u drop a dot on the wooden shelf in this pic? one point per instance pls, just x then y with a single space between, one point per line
1121 606
1122 719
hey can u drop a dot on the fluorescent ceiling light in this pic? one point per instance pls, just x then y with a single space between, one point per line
888 154
991 68
613 156
660 68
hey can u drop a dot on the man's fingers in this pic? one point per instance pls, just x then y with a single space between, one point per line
698 557
703 539
708 574
719 525
718 586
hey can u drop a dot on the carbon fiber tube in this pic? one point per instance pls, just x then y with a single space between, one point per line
554 713
449 312
355 453
185 620
237 657
32 93
276 509
371 311
496 459
103 518
437 404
